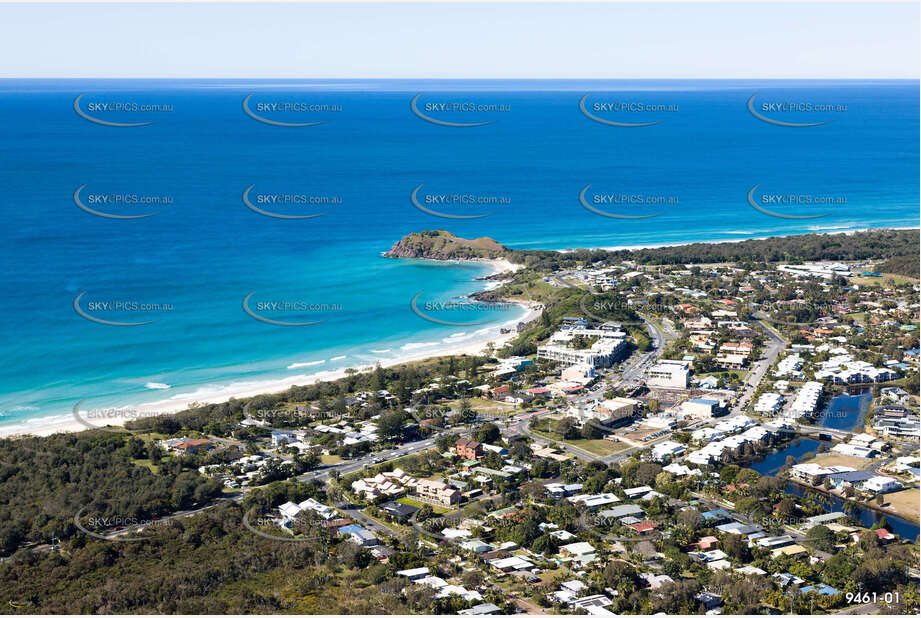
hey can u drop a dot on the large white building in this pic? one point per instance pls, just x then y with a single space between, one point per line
610 340
666 449
668 374
790 366
843 369
289 510
606 412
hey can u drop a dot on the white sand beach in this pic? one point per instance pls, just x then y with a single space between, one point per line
218 393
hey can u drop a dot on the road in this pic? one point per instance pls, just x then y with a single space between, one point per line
633 368
775 345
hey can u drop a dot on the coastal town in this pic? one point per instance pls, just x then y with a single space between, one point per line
700 438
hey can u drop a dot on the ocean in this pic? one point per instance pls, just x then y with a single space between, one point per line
375 162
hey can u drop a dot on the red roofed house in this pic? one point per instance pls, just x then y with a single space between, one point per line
882 534
499 392
644 526
706 543
193 446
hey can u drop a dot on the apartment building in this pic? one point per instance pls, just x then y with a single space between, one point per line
437 491
468 449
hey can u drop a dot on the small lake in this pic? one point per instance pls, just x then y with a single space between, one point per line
771 464
846 411
902 527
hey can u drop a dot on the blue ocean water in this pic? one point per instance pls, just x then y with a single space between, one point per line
204 250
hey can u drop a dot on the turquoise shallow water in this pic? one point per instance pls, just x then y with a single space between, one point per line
205 250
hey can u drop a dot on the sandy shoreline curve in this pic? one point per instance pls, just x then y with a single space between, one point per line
240 390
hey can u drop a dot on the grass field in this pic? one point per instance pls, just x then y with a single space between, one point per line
145 463
330 459
905 503
883 279
602 448
858 463
486 406
410 502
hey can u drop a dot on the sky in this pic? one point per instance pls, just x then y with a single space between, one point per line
388 40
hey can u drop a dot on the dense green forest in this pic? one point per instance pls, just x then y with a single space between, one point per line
873 244
907 265
209 563
47 480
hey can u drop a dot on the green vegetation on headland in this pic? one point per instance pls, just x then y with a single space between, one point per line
900 249
442 245
209 564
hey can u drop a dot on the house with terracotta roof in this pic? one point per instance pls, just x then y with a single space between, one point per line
882 534
192 446
706 543
644 526
499 392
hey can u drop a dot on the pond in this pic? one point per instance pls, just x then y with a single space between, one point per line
770 465
866 516
846 411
